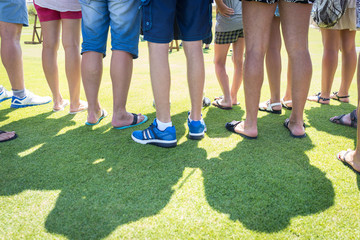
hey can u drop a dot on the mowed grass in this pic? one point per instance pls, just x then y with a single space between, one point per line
63 180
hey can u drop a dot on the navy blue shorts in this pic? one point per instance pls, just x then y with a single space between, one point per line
193 17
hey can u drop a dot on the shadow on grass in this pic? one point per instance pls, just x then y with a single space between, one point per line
264 183
106 180
319 116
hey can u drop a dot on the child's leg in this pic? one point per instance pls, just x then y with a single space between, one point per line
194 20
220 55
295 34
160 79
348 63
273 62
237 57
195 75
51 36
71 44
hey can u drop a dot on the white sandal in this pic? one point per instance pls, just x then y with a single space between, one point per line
285 104
269 107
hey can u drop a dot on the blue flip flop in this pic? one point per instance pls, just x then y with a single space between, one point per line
103 115
134 123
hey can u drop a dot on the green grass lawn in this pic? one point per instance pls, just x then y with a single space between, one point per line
63 180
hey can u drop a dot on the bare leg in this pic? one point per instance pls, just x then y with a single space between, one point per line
160 79
257 35
288 96
91 70
348 64
71 44
273 63
121 72
195 75
237 57
331 43
11 54
220 56
295 34
51 34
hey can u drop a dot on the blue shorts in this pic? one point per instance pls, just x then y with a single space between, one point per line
122 16
193 18
14 11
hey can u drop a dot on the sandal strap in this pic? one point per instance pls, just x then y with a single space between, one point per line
135 119
353 118
321 98
271 105
286 102
339 97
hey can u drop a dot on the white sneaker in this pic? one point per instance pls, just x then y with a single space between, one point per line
29 100
5 95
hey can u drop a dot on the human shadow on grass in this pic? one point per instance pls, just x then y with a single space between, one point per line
106 180
265 183
318 117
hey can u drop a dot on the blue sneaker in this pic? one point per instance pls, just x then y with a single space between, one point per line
152 135
197 129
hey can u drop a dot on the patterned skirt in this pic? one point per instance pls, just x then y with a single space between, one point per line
228 37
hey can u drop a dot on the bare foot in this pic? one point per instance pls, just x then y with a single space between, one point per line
243 129
349 158
220 103
6 136
286 103
319 98
59 106
233 100
93 117
296 128
122 120
76 108
340 97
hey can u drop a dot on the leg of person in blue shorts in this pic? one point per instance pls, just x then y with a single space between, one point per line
13 15
194 21
124 20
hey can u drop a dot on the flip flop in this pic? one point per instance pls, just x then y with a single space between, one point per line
222 96
82 104
341 157
12 138
217 104
231 127
134 123
65 103
286 124
103 115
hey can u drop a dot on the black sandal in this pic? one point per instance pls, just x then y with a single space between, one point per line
338 98
339 120
319 97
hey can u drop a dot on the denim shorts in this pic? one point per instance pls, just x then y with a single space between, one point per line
193 18
14 11
123 18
